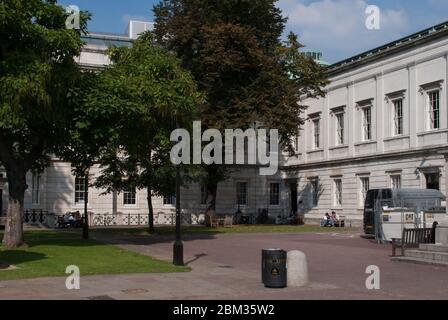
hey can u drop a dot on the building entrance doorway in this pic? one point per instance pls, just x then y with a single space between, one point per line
432 180
293 196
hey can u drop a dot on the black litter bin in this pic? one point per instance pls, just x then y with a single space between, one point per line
273 268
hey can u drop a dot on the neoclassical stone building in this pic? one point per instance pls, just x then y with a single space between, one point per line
383 123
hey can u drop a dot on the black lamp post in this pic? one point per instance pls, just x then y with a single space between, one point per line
85 225
178 249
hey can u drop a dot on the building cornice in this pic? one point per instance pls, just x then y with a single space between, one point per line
439 150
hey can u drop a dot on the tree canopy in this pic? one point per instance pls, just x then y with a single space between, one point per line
37 70
247 73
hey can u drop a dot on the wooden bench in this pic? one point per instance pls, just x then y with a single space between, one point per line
412 238
340 223
213 221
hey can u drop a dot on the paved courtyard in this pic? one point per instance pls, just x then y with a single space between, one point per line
228 267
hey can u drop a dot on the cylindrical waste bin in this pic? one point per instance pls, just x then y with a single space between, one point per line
273 268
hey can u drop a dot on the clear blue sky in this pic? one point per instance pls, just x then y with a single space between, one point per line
335 27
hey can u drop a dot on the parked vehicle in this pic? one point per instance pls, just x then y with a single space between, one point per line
388 211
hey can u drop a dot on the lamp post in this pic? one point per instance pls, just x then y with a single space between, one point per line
178 249
85 225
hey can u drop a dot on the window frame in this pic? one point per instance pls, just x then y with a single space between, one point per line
79 191
316 133
169 201
337 193
277 194
130 192
367 123
238 193
340 128
398 119
362 191
35 192
430 109
393 185
314 183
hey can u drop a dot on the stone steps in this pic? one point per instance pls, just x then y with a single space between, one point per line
429 255
420 261
433 247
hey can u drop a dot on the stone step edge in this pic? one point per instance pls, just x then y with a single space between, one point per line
427 252
420 261
433 248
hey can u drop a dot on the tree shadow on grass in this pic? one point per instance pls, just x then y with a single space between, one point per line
17 257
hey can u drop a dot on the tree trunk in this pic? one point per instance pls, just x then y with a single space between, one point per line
13 237
151 211
212 188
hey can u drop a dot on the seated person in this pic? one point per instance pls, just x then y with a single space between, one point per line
335 217
293 219
327 221
278 220
67 218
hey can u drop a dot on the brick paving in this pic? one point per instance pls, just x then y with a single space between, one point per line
228 267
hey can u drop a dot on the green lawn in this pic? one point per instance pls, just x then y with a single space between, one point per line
167 230
50 252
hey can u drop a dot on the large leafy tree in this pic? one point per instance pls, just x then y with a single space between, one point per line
248 75
37 68
129 115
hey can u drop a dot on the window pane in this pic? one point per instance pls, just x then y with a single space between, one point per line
340 128
241 192
79 190
338 192
315 192
434 104
274 194
398 117
170 200
365 186
35 189
316 134
129 197
367 127
395 181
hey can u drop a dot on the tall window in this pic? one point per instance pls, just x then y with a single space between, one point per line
129 197
434 105
398 117
316 133
395 181
241 193
274 194
203 194
169 200
340 128
315 192
35 189
432 180
337 192
365 186
80 194
367 123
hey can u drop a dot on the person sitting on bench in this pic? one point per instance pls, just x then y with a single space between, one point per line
327 221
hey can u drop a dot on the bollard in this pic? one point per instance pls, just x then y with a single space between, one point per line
297 269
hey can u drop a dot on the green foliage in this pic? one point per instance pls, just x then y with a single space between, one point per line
248 75
37 68
127 116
